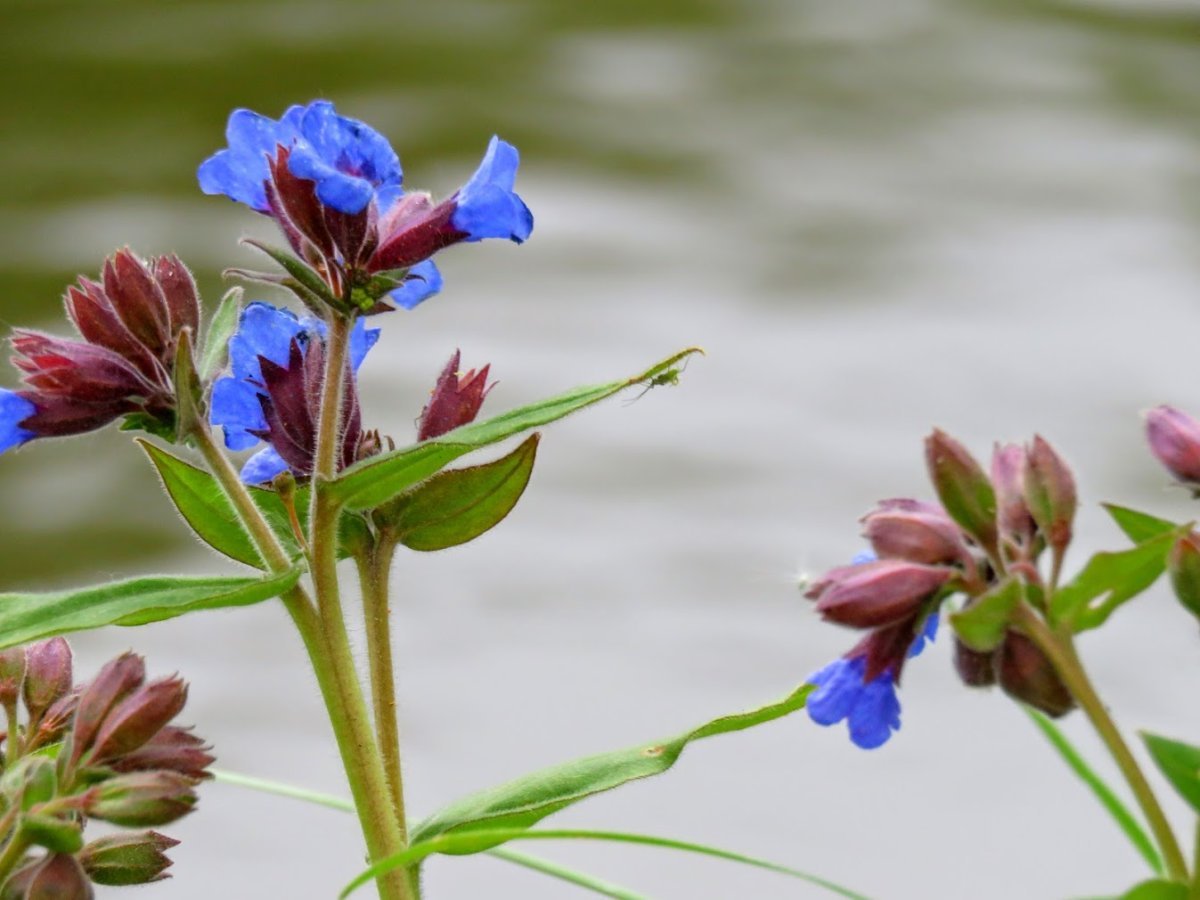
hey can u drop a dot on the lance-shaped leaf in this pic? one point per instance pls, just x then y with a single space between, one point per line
458 505
1157 889
529 799
1138 526
220 330
1110 579
1180 763
375 481
34 616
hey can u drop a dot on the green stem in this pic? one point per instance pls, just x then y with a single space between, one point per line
14 851
1194 888
373 571
1059 648
358 755
368 777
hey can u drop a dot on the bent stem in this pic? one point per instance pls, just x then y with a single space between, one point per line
374 800
373 570
356 752
1059 648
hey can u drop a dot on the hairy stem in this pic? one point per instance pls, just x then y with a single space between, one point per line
1194 887
375 806
356 753
373 571
1059 648
14 851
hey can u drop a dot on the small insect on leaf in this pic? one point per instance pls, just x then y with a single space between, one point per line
668 377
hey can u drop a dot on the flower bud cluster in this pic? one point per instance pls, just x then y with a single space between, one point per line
105 750
986 527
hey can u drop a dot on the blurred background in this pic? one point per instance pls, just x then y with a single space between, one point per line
877 216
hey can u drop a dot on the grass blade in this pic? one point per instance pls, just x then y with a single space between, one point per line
546 867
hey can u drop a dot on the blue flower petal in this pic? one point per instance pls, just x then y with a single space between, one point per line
14 409
239 171
928 633
486 205
362 339
876 714
346 158
263 466
424 280
837 689
263 330
863 556
872 710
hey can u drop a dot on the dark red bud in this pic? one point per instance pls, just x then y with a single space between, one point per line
976 669
54 723
913 531
138 300
12 675
58 877
413 230
1008 478
136 719
454 401
879 593
178 286
116 680
47 674
175 749
1027 675
294 205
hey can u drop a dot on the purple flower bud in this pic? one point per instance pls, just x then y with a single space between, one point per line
138 717
964 489
1174 438
142 799
55 722
1008 474
174 749
1050 493
1183 564
975 668
119 678
12 675
47 674
914 531
1027 675
455 400
120 859
57 877
875 594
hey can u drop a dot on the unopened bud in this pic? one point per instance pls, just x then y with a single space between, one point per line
1183 563
120 859
1050 493
115 681
1174 438
55 721
142 799
175 749
913 531
1008 480
12 675
976 669
455 399
137 718
963 487
1027 675
47 674
879 593
58 877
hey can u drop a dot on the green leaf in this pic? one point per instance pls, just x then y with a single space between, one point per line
220 329
524 801
458 505
267 786
1110 579
1126 820
476 841
31 617
307 276
982 625
374 481
1156 889
1179 763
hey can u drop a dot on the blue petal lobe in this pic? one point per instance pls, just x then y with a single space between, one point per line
236 409
362 339
928 633
263 330
14 409
423 281
876 714
263 466
486 205
872 710
838 685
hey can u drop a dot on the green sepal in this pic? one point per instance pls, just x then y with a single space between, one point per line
525 801
1138 526
139 601
163 428
374 481
56 835
1180 765
304 274
1110 579
41 782
458 505
189 400
982 625
221 329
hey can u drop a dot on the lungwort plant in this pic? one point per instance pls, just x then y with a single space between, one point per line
323 485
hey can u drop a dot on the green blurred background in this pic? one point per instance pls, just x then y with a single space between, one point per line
875 215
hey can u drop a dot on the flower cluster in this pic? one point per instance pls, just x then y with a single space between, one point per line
334 187
131 322
987 529
103 750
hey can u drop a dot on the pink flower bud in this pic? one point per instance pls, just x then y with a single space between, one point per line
1027 675
1050 493
57 877
175 749
914 531
1008 478
976 669
455 400
1183 564
47 674
1174 438
141 799
12 675
963 487
113 683
879 593
136 719
120 859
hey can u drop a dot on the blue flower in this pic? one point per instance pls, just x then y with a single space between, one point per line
870 708
486 206
14 409
423 281
347 159
241 400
